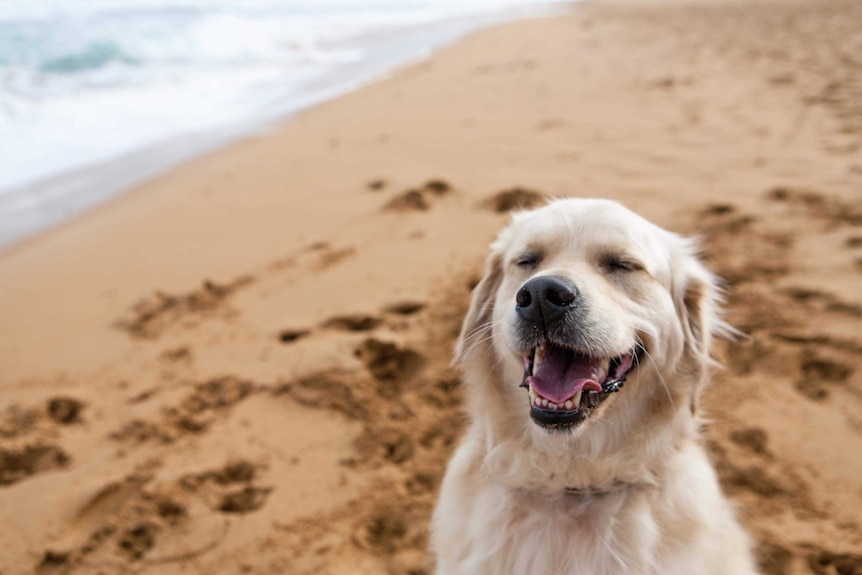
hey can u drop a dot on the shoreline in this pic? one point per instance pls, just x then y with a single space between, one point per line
29 209
197 375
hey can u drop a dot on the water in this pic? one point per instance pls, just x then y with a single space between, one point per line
84 83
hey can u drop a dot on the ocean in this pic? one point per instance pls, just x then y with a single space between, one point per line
98 95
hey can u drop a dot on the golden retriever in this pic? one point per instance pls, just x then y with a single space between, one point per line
564 470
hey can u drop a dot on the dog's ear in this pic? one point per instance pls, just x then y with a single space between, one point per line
696 306
697 298
477 323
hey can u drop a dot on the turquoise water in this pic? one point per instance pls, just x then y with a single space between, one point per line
85 82
94 55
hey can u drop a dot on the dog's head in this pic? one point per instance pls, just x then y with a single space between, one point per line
578 297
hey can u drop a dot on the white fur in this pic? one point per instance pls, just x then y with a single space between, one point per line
649 501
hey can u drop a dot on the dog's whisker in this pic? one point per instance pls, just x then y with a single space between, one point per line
480 329
483 327
484 332
471 341
489 337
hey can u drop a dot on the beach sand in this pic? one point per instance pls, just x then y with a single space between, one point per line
243 365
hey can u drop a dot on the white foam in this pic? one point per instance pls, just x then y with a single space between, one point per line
82 83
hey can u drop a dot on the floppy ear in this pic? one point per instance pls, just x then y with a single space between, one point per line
697 299
477 322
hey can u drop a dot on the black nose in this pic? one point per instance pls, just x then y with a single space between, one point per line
544 300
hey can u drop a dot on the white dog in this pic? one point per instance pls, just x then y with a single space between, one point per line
558 474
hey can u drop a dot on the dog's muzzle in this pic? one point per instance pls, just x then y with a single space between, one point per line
563 381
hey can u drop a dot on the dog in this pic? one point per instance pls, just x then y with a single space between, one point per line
584 352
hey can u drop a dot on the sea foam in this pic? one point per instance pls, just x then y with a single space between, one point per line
84 83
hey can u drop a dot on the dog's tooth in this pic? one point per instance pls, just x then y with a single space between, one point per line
537 358
545 402
569 404
603 369
552 405
537 401
577 399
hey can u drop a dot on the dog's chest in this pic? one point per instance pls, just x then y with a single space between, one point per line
567 535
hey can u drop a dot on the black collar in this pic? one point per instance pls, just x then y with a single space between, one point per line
593 490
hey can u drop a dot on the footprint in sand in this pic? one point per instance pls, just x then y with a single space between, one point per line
292 335
819 205
333 257
94 514
22 461
65 410
363 322
824 562
389 527
820 301
383 530
137 520
150 317
318 256
353 322
245 500
405 307
391 444
17 421
516 198
419 199
854 242
139 539
754 439
737 247
345 392
400 314
193 415
357 322
753 479
17 464
355 394
182 354
819 373
387 361
828 341
376 184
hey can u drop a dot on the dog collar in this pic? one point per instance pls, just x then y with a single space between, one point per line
615 487
613 386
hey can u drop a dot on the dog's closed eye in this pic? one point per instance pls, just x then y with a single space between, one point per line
620 262
529 260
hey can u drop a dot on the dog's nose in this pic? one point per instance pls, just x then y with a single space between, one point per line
545 299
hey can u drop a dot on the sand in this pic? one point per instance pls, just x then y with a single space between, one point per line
242 366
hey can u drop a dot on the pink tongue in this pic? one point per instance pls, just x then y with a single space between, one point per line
563 373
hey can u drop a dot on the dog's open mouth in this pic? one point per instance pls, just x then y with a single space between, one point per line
565 384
